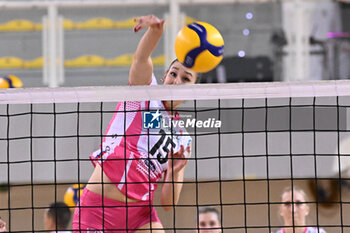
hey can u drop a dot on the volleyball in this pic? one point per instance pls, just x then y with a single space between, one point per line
72 195
199 46
10 81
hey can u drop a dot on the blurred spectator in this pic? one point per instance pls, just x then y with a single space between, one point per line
294 210
209 220
57 217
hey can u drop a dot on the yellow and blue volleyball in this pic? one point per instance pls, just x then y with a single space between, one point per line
10 81
72 195
199 46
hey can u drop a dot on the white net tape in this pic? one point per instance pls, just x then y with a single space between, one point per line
187 92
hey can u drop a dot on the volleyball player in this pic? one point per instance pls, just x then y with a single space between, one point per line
209 220
294 212
127 168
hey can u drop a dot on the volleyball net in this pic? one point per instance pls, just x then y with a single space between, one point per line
249 142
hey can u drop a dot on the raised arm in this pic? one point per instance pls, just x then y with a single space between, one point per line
142 68
174 178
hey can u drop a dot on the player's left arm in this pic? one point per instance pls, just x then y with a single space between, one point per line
174 177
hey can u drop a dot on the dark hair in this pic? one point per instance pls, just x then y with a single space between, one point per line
204 210
198 75
60 213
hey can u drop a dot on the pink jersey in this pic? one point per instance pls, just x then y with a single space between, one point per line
136 161
95 214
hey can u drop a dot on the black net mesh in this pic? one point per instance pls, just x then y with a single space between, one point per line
245 153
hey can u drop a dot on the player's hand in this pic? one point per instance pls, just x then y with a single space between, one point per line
177 161
2 226
148 21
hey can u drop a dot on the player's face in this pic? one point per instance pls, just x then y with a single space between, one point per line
179 74
208 222
300 209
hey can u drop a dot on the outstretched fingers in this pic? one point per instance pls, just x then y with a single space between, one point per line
188 152
148 21
180 153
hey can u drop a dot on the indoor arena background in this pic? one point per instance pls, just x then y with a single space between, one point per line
263 42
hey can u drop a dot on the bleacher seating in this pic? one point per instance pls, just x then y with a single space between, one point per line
90 60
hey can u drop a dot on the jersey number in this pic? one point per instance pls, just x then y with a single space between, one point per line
162 156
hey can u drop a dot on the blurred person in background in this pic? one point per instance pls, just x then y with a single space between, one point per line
209 220
294 211
57 217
